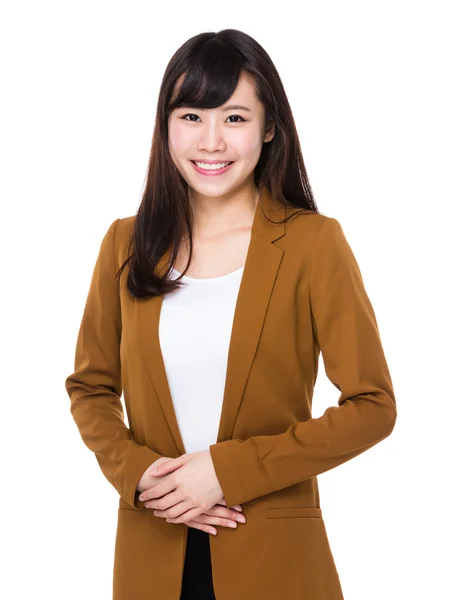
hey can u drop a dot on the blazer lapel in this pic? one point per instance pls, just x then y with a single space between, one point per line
259 275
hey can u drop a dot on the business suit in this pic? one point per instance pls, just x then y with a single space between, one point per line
301 293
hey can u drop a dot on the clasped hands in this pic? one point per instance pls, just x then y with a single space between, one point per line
188 487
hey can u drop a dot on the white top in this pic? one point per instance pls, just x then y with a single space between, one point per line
194 333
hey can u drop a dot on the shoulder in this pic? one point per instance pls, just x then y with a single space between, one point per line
125 227
117 238
120 228
308 228
123 231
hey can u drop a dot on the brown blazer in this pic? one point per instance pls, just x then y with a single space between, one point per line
301 293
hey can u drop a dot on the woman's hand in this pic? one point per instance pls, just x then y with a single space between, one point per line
220 515
189 487
147 481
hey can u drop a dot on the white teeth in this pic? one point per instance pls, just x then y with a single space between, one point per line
214 167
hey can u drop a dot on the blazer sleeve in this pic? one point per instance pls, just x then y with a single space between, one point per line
95 387
346 331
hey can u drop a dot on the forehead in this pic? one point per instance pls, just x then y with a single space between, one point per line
244 92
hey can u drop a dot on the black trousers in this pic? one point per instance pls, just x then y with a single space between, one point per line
197 576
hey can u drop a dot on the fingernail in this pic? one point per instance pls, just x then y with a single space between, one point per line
232 524
238 508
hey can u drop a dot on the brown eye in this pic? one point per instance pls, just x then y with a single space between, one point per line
238 117
189 115
194 115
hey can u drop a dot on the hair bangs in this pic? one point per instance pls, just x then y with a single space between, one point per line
211 79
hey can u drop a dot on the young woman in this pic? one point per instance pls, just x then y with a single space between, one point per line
209 309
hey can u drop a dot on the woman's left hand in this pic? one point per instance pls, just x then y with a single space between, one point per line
189 487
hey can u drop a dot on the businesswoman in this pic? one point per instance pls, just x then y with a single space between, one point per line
209 309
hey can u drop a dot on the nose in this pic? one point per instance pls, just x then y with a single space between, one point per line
211 139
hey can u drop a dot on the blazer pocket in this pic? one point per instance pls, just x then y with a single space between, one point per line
285 513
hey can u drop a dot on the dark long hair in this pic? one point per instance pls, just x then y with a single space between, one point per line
210 65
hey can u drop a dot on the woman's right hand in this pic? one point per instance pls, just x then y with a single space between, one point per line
147 480
219 514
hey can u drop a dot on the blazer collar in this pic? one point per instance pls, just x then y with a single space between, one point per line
259 275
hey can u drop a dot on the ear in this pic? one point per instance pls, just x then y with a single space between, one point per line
269 132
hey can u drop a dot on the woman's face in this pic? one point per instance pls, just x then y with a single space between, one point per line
223 134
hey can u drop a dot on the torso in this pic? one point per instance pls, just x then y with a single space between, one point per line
215 256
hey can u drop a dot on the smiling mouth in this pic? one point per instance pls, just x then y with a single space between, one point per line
229 162
212 171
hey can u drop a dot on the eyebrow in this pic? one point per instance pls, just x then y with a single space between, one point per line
236 107
225 108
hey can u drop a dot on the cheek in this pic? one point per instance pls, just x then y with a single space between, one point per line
247 144
179 139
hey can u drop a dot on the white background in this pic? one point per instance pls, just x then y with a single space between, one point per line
367 83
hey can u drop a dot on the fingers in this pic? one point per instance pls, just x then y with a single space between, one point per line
202 527
235 507
226 513
224 517
219 515
198 525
